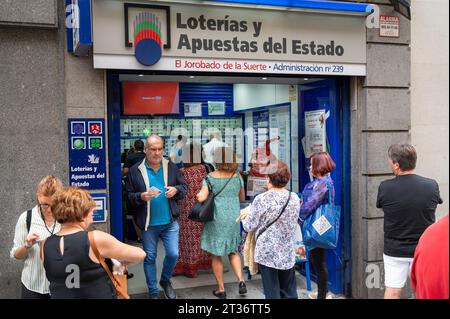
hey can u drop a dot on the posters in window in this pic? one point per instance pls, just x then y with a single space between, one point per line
256 185
315 132
193 109
216 108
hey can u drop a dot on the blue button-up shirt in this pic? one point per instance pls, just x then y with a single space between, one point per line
159 206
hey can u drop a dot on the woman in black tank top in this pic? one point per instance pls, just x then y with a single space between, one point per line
62 269
70 264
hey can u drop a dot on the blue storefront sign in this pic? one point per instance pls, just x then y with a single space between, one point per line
100 211
87 156
79 27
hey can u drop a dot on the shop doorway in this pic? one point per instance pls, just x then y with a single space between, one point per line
310 95
330 97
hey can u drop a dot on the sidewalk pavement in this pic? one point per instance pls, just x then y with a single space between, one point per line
254 291
202 286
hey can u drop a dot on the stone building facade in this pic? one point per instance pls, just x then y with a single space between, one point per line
42 85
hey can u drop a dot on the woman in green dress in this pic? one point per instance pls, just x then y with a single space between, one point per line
221 236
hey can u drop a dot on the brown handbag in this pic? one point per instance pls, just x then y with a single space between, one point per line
119 281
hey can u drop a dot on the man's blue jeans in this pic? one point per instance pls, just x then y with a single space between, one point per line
169 235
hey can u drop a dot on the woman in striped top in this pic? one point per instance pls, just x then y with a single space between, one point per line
26 241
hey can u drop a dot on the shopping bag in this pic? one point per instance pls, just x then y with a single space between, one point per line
298 243
321 228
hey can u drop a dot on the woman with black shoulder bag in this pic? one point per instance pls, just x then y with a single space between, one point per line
221 236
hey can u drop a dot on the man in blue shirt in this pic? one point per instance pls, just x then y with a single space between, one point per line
152 189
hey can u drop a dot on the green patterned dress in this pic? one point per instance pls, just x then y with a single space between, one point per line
221 236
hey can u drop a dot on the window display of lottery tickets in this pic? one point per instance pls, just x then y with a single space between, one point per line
168 128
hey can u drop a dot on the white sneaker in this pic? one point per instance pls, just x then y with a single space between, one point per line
313 295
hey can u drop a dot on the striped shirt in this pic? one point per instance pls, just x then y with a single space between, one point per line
33 273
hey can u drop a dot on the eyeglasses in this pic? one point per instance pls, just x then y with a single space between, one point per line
44 206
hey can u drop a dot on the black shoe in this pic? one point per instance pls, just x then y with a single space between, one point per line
220 294
168 289
242 288
153 296
129 275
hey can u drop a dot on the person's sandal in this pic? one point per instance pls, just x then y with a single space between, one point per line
220 294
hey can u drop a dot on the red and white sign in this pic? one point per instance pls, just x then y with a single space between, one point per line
150 98
235 66
389 26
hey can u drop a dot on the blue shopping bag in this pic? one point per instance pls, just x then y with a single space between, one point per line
321 228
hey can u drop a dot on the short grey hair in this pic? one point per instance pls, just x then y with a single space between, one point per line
404 155
153 136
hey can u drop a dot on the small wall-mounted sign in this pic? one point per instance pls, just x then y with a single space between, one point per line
79 27
87 154
389 26
193 109
100 211
216 108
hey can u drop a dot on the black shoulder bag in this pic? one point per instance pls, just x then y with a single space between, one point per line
204 212
263 229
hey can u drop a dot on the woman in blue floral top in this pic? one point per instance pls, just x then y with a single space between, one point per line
314 195
275 248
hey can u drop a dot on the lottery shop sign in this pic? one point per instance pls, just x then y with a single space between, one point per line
214 38
87 154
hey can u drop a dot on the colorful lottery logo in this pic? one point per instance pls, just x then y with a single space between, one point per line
147 38
78 144
95 128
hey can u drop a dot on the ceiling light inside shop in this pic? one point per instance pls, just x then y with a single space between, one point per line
264 78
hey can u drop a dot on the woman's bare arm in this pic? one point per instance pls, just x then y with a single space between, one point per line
242 195
203 194
109 247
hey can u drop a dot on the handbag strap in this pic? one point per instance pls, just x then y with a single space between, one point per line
272 222
29 212
215 195
101 259
330 200
209 184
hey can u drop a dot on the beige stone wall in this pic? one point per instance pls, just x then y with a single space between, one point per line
33 126
429 92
